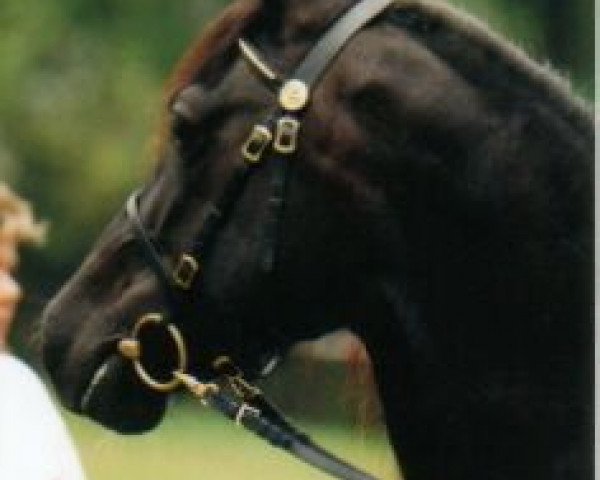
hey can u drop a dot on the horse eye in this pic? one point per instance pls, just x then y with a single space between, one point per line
190 139
182 128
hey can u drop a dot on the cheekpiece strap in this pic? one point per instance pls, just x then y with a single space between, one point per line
295 92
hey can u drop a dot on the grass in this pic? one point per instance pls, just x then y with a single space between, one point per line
194 443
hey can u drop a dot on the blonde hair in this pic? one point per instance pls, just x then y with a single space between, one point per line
17 219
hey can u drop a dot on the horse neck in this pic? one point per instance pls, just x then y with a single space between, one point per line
399 351
495 157
480 212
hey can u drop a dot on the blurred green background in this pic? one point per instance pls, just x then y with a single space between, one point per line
80 96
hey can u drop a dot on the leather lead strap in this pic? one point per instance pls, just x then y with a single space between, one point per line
330 45
278 433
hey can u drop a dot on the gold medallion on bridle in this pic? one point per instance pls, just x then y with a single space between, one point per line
293 96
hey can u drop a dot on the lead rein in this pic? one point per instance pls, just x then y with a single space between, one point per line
261 418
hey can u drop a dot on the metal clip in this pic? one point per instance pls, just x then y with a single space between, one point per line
200 390
258 141
243 389
286 135
186 271
244 411
223 365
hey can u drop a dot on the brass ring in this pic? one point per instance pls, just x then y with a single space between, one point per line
147 379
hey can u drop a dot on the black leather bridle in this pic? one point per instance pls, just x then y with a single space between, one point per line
274 138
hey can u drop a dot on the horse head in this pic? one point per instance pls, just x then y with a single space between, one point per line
436 201
269 278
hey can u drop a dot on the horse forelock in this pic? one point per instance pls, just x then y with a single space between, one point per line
218 36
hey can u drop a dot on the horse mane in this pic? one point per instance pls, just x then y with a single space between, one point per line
477 34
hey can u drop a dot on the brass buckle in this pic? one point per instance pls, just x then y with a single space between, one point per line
258 141
185 271
223 365
131 349
286 135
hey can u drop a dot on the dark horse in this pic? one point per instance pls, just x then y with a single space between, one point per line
439 205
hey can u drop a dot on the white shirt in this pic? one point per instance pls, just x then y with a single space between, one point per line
34 442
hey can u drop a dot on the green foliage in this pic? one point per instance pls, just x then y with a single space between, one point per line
80 89
193 442
560 32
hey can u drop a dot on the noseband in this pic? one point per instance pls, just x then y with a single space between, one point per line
275 138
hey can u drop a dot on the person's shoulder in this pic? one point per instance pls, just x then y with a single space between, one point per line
23 391
11 365
29 421
14 372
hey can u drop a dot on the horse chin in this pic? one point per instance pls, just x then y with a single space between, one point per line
117 400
